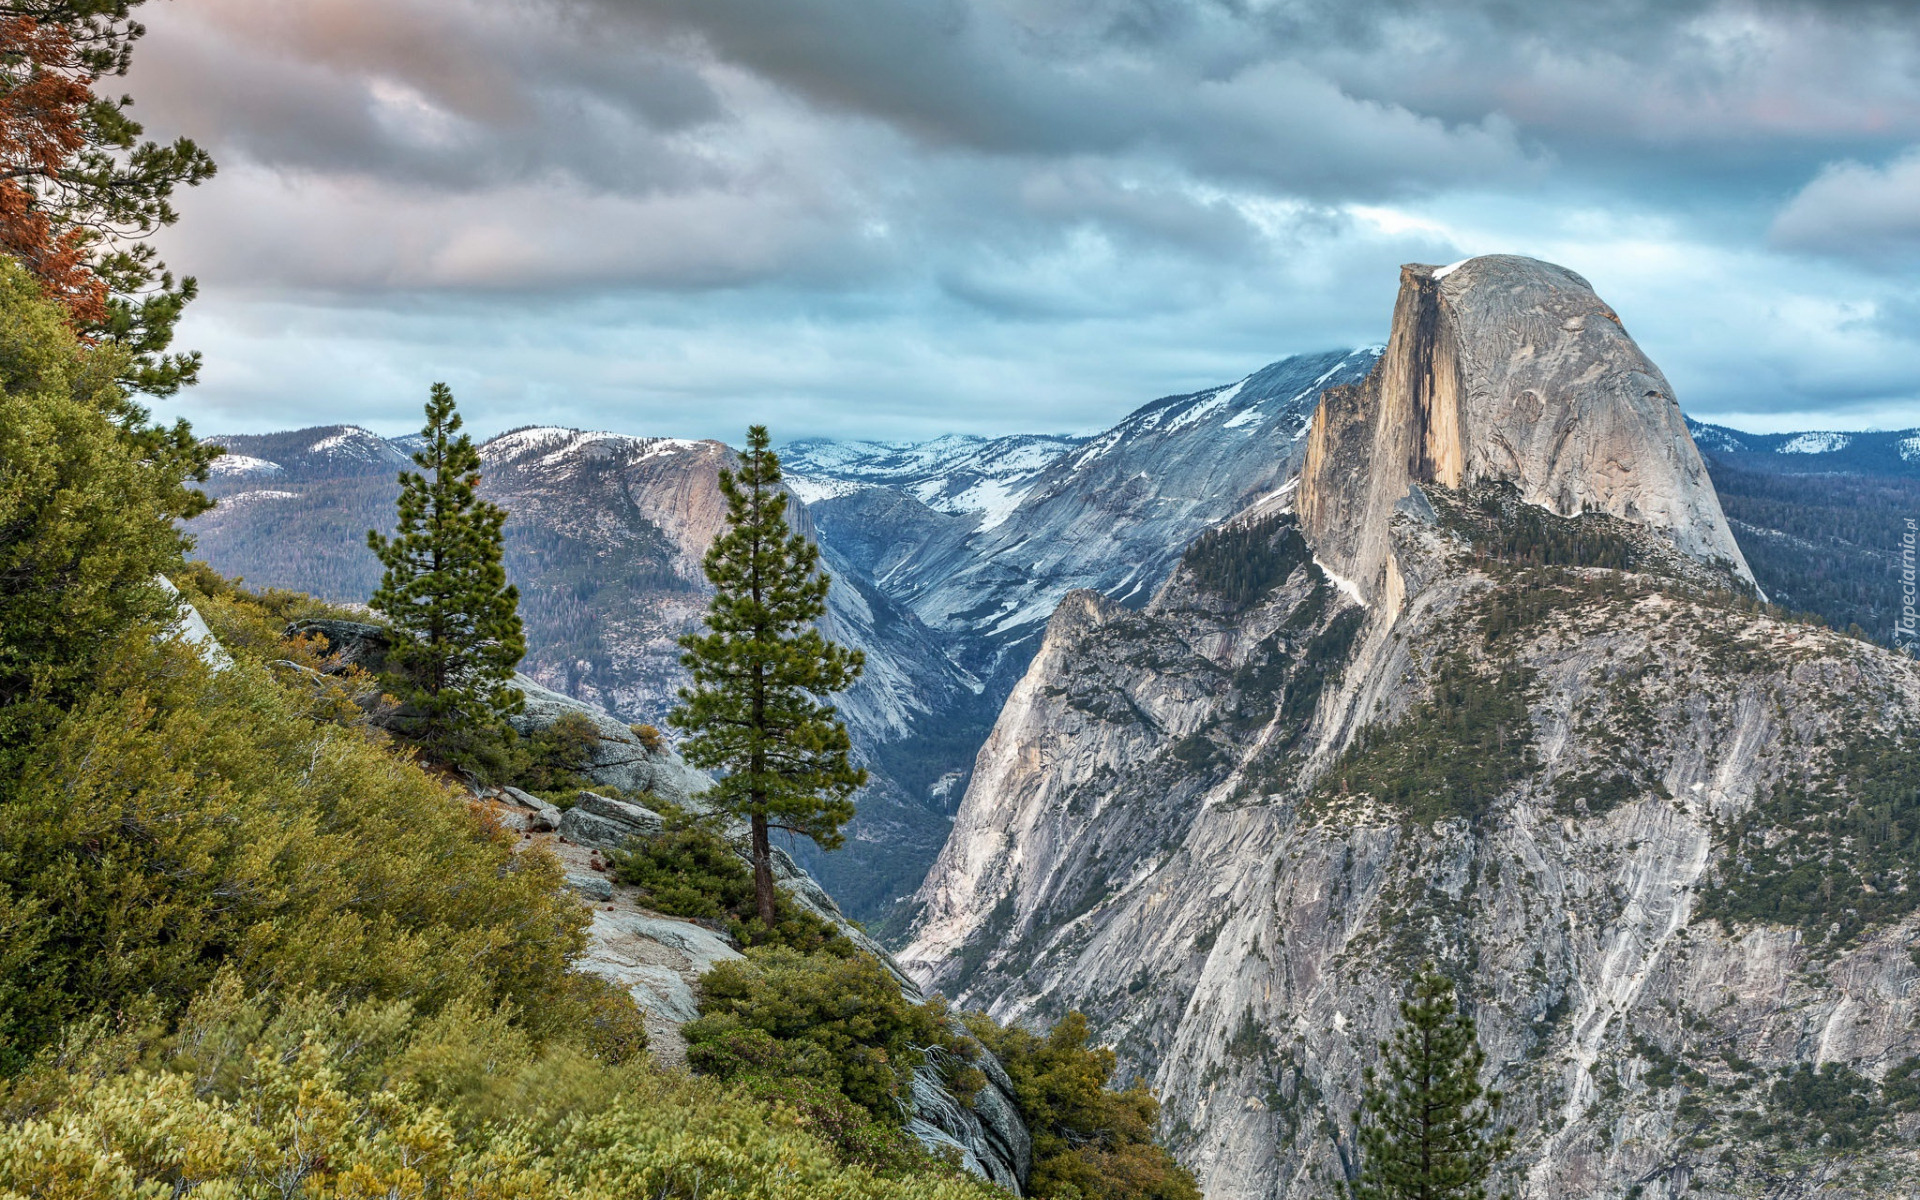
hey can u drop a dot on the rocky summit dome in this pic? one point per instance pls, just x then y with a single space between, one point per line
1505 368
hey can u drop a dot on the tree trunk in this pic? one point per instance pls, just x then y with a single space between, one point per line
763 870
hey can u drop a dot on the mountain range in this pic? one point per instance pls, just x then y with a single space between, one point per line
950 555
1467 648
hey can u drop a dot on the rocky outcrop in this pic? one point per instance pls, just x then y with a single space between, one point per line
986 1134
1505 369
659 960
1498 701
605 824
621 758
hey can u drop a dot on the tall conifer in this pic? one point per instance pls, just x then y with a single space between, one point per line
759 672
1425 1122
455 618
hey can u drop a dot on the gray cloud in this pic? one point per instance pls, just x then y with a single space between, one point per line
927 214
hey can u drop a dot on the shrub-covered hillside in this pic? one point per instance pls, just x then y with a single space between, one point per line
248 945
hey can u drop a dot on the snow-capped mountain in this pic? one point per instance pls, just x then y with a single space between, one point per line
325 451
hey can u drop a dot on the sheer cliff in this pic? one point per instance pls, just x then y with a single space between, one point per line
1497 693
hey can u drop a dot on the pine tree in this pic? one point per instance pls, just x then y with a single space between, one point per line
1428 1127
759 671
455 618
91 497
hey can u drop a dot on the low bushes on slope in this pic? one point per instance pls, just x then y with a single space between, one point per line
305 1095
1832 852
1451 755
176 821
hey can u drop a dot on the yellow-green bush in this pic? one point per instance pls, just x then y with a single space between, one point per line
253 623
307 1096
89 492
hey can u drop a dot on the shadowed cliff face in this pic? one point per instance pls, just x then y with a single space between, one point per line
1512 370
1497 695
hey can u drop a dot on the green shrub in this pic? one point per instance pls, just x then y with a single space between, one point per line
89 496
838 1021
1089 1142
555 759
178 819
690 870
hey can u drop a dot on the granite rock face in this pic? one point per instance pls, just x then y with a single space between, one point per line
621 758
1494 699
1506 369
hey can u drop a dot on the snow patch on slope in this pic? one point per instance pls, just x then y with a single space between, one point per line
1713 437
1340 581
241 464
1205 408
354 443
522 441
994 499
812 489
1815 443
243 499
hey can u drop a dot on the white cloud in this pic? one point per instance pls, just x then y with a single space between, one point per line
1850 210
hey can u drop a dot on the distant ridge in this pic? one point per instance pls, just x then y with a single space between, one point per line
1874 452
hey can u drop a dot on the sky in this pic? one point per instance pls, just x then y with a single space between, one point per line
900 218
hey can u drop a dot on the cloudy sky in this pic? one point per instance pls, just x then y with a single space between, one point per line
893 218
